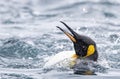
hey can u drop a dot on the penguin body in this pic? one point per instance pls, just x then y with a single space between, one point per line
85 49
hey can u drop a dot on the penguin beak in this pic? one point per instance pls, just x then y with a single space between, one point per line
72 37
68 34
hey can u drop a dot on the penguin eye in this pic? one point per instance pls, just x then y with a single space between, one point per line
84 47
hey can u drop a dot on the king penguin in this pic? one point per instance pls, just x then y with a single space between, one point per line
84 46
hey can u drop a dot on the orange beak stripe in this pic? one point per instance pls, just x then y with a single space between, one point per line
71 37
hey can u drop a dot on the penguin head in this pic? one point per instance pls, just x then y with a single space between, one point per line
84 46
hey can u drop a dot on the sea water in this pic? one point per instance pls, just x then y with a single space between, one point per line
29 37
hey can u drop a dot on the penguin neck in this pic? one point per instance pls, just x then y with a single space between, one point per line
92 57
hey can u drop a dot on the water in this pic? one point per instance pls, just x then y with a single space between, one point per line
28 35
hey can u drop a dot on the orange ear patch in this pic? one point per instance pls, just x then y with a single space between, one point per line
90 51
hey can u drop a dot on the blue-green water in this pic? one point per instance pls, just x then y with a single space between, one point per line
28 34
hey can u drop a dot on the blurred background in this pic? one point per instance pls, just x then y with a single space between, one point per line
28 32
